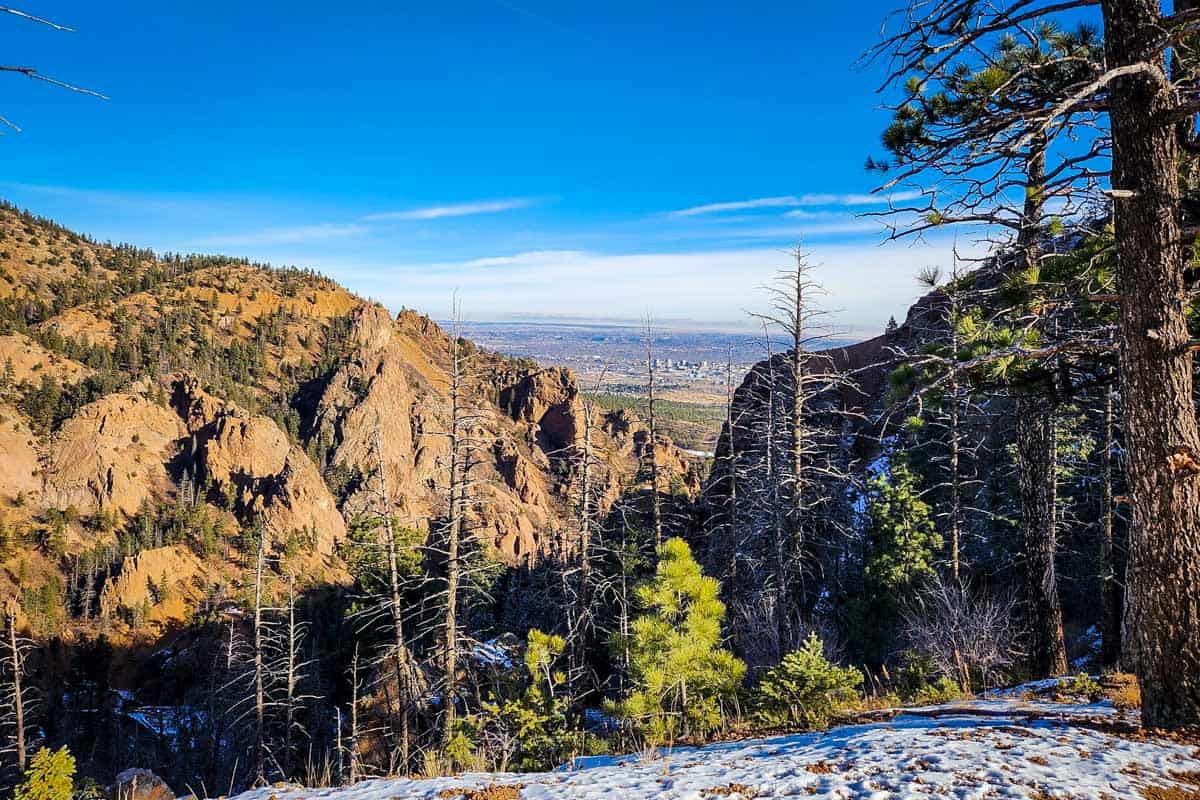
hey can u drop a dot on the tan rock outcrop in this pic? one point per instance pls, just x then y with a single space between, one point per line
394 389
250 460
548 401
165 577
112 455
19 467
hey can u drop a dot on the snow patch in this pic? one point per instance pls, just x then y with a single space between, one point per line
962 756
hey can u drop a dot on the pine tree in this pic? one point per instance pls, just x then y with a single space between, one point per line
902 539
681 674
805 688
902 546
51 776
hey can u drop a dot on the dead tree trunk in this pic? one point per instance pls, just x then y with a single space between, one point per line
1162 440
260 746
1110 648
454 533
731 516
652 439
16 667
293 643
403 661
354 687
798 313
954 434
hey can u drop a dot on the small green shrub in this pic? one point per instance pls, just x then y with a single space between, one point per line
51 776
942 690
1080 686
531 731
806 689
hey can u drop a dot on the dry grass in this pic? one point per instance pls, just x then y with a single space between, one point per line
726 791
821 768
1122 689
495 791
1170 793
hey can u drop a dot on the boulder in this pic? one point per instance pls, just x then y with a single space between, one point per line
140 784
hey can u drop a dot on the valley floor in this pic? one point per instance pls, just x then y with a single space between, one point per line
1001 747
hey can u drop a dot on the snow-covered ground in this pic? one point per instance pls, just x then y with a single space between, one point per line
964 755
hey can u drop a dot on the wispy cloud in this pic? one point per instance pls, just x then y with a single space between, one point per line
284 235
793 201
530 258
867 282
452 210
736 205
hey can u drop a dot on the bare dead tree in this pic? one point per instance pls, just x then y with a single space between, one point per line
465 438
355 687
1112 581
260 699
15 647
32 72
579 593
801 463
652 437
965 634
410 682
288 659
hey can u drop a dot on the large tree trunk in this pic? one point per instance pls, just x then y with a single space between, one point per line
1038 483
1162 618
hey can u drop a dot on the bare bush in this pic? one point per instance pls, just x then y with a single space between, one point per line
967 636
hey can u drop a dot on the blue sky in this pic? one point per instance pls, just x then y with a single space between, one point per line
562 158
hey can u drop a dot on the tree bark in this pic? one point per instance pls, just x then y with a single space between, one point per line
1036 461
1162 617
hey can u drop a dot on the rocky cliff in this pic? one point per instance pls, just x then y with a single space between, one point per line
133 382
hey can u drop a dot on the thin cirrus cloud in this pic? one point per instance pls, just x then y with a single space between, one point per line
325 231
452 210
285 235
795 201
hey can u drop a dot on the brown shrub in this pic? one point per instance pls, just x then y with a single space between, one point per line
495 791
1122 689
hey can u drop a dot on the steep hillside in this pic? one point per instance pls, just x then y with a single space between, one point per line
173 403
